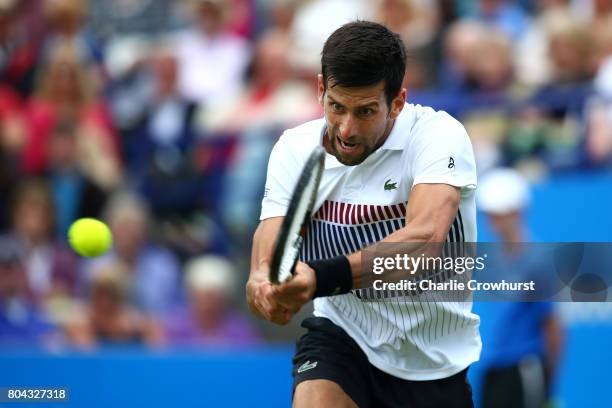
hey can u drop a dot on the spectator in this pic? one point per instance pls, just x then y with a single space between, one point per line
272 98
74 194
271 101
460 42
504 15
50 267
533 64
20 47
210 319
314 21
12 140
417 23
66 21
66 89
159 147
601 36
549 123
152 271
462 38
21 322
211 60
281 14
107 318
242 18
121 19
489 91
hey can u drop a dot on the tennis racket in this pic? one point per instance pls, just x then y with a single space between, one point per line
293 228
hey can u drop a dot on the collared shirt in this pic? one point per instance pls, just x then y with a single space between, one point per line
356 206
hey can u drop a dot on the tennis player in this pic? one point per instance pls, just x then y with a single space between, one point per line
394 172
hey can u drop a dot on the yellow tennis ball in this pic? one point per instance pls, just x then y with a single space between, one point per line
89 237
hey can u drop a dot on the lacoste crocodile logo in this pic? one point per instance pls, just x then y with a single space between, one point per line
390 186
307 366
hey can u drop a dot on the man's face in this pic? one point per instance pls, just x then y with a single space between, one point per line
358 119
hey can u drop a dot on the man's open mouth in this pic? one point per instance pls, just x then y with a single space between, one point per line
347 146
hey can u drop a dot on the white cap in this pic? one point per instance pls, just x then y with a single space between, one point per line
210 272
502 191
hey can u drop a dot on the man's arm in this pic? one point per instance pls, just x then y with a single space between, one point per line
429 215
260 292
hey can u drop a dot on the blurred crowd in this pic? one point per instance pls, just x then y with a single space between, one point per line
158 117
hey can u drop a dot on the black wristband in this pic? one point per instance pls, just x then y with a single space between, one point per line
334 276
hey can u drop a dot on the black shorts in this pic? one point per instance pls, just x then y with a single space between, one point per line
525 384
328 352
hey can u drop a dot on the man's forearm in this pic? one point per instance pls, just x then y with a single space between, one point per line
421 241
263 244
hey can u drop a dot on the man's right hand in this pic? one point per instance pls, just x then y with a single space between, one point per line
259 289
261 301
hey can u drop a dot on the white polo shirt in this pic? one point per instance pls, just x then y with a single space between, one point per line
408 337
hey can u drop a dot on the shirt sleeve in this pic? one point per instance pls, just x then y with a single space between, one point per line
442 153
280 180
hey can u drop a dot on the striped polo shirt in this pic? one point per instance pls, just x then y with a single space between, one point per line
409 336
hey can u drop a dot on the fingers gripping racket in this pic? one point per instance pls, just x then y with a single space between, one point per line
293 228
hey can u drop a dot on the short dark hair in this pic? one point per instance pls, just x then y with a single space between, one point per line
363 53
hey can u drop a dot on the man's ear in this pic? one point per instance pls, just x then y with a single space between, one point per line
320 88
397 104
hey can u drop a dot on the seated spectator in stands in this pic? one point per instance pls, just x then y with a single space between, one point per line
50 266
20 45
601 39
460 42
66 89
280 14
417 23
159 145
178 176
532 58
12 139
504 15
211 60
490 74
21 321
272 101
210 318
74 194
66 21
570 52
488 94
241 21
601 11
107 318
549 123
314 21
126 18
152 271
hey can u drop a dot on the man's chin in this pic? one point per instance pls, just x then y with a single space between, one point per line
350 160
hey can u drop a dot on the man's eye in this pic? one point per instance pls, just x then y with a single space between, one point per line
367 111
336 107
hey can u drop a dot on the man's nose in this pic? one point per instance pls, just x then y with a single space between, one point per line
346 127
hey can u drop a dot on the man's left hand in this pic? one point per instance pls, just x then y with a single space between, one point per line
297 291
